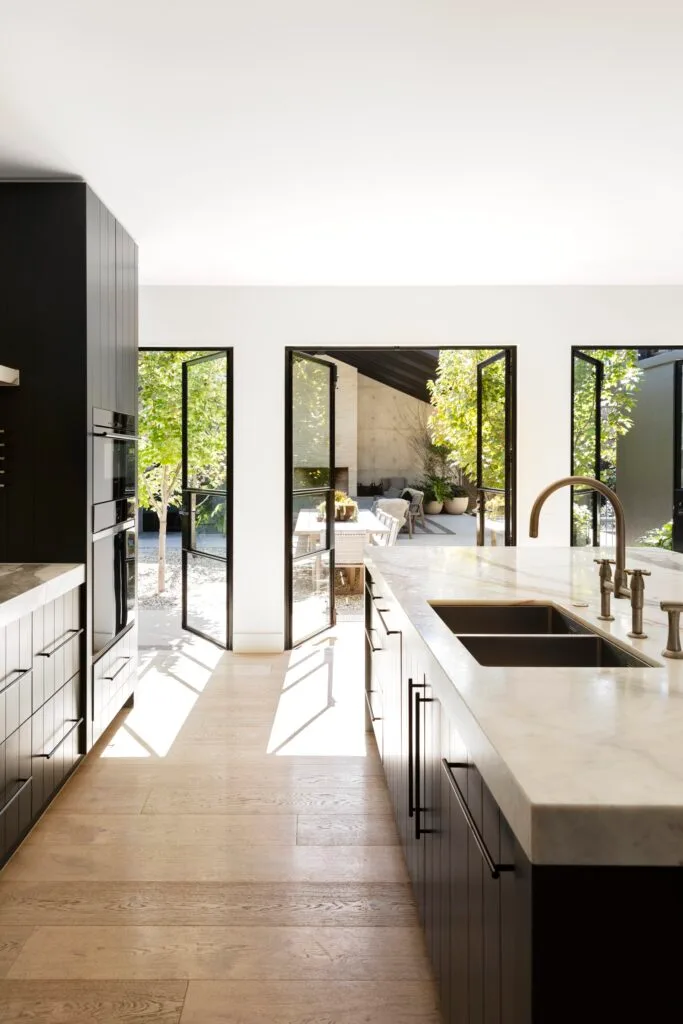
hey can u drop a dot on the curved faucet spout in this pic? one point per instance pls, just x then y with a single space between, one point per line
620 578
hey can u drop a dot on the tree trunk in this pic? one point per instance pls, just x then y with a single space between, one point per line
161 577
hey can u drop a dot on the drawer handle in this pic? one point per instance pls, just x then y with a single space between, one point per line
369 584
73 633
373 649
76 723
373 716
17 794
495 869
389 632
125 659
419 831
22 672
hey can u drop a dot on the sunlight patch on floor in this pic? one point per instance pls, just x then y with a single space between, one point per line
167 689
321 712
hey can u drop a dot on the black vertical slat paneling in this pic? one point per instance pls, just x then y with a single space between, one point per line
119 397
476 904
94 314
459 908
492 911
110 353
100 368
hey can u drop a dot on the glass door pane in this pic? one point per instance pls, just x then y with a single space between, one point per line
495 449
206 507
677 531
587 381
310 500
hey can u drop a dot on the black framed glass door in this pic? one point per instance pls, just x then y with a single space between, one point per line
309 508
495 448
206 498
587 386
677 516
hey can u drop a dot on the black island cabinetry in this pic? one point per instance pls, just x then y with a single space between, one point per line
510 942
68 322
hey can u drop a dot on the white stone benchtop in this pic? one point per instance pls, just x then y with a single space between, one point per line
585 763
25 586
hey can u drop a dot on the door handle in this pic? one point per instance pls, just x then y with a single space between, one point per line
368 637
411 753
389 632
494 869
419 831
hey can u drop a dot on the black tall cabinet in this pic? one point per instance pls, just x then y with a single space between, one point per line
68 322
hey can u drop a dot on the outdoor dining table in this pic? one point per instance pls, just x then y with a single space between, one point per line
307 523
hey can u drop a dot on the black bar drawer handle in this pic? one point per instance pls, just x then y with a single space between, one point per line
22 672
369 584
411 754
373 716
389 632
375 650
73 633
76 723
24 784
495 869
419 831
125 659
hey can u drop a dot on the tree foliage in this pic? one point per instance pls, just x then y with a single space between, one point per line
454 420
621 381
160 430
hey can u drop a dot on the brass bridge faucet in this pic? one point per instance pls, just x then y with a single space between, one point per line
620 585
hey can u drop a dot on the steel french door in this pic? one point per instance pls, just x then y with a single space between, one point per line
206 497
677 516
309 509
495 444
587 382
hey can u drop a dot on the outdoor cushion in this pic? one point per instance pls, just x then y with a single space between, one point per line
393 492
397 482
385 482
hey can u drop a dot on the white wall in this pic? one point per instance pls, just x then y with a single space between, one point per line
260 322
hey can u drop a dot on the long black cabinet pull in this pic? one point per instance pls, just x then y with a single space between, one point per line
22 672
125 660
411 752
76 723
419 831
494 869
15 796
73 633
369 584
375 650
389 632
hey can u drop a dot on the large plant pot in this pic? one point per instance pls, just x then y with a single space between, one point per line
456 506
432 508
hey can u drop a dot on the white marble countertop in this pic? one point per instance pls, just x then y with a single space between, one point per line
585 763
25 586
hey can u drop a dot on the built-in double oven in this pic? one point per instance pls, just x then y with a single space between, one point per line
113 522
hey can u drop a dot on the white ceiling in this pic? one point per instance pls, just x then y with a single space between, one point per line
366 142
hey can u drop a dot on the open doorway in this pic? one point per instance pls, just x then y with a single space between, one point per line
627 432
390 446
184 495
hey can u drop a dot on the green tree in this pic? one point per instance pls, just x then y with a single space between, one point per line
454 419
621 381
160 430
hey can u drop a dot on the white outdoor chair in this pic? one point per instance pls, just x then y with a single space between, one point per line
349 548
397 508
394 527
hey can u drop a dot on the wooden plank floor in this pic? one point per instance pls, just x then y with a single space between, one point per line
226 854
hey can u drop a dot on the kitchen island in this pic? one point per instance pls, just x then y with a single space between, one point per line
540 808
42 735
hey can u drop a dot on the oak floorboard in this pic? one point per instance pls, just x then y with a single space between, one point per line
132 861
277 904
88 1002
255 953
128 798
157 829
310 1002
239 772
347 830
283 799
12 940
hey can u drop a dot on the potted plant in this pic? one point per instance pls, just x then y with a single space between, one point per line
436 490
458 501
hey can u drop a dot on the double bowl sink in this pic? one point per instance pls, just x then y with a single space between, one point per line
533 636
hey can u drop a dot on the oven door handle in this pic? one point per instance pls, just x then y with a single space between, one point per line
116 437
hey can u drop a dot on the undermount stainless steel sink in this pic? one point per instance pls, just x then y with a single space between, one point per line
510 618
579 651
